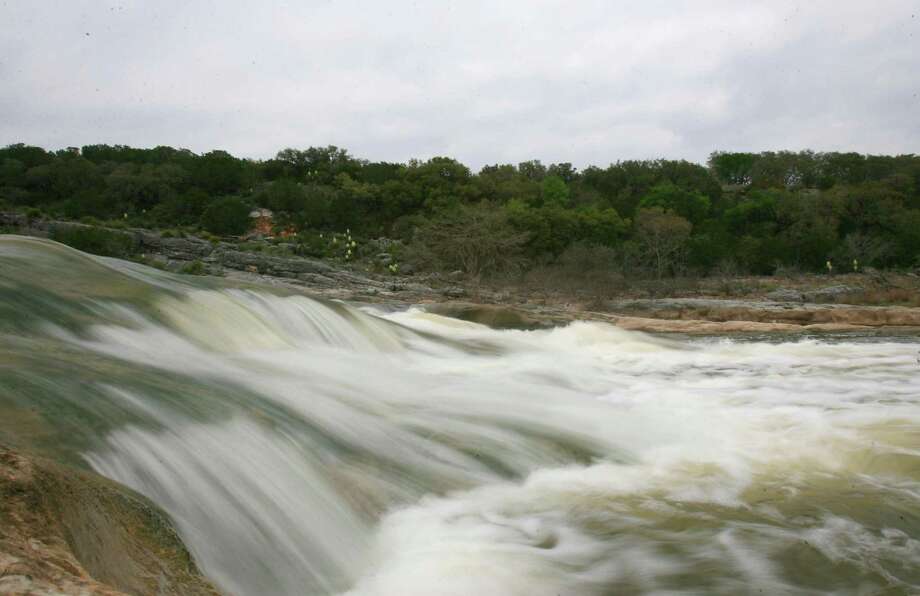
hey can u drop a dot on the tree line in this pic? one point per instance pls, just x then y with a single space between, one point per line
750 212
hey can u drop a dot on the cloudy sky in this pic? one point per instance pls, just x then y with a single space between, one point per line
484 81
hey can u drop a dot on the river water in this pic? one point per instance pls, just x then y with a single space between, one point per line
307 447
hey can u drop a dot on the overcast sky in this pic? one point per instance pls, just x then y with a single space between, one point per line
485 82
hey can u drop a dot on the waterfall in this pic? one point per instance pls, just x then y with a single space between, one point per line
312 447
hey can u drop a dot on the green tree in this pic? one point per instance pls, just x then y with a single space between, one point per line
532 170
319 165
554 191
564 170
12 172
319 201
181 210
139 188
760 255
689 204
218 172
503 183
443 183
228 216
663 236
809 223
907 238
283 195
28 155
732 168
476 239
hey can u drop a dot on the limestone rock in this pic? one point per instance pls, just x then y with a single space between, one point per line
785 295
830 293
66 531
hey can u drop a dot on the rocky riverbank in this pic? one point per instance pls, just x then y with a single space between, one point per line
817 308
226 259
770 314
662 319
68 531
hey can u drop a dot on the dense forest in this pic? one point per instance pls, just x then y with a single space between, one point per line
744 212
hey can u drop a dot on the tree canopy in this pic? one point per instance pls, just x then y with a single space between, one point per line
757 210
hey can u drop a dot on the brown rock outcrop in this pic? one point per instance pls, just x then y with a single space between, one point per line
66 531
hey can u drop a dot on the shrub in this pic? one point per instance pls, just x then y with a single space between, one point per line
226 217
196 267
97 241
251 246
152 262
587 269
311 245
475 239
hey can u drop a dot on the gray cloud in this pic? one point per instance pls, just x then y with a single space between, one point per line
587 82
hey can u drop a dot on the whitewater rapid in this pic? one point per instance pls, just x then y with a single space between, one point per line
306 447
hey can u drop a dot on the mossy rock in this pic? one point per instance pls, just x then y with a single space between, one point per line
68 531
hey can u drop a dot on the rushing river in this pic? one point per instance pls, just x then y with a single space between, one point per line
307 447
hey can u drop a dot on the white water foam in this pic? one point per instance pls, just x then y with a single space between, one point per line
408 453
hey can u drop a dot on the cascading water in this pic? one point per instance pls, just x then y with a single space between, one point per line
304 447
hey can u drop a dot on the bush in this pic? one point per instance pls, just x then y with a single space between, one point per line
475 239
152 262
196 267
14 196
226 217
97 241
251 246
312 245
587 269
